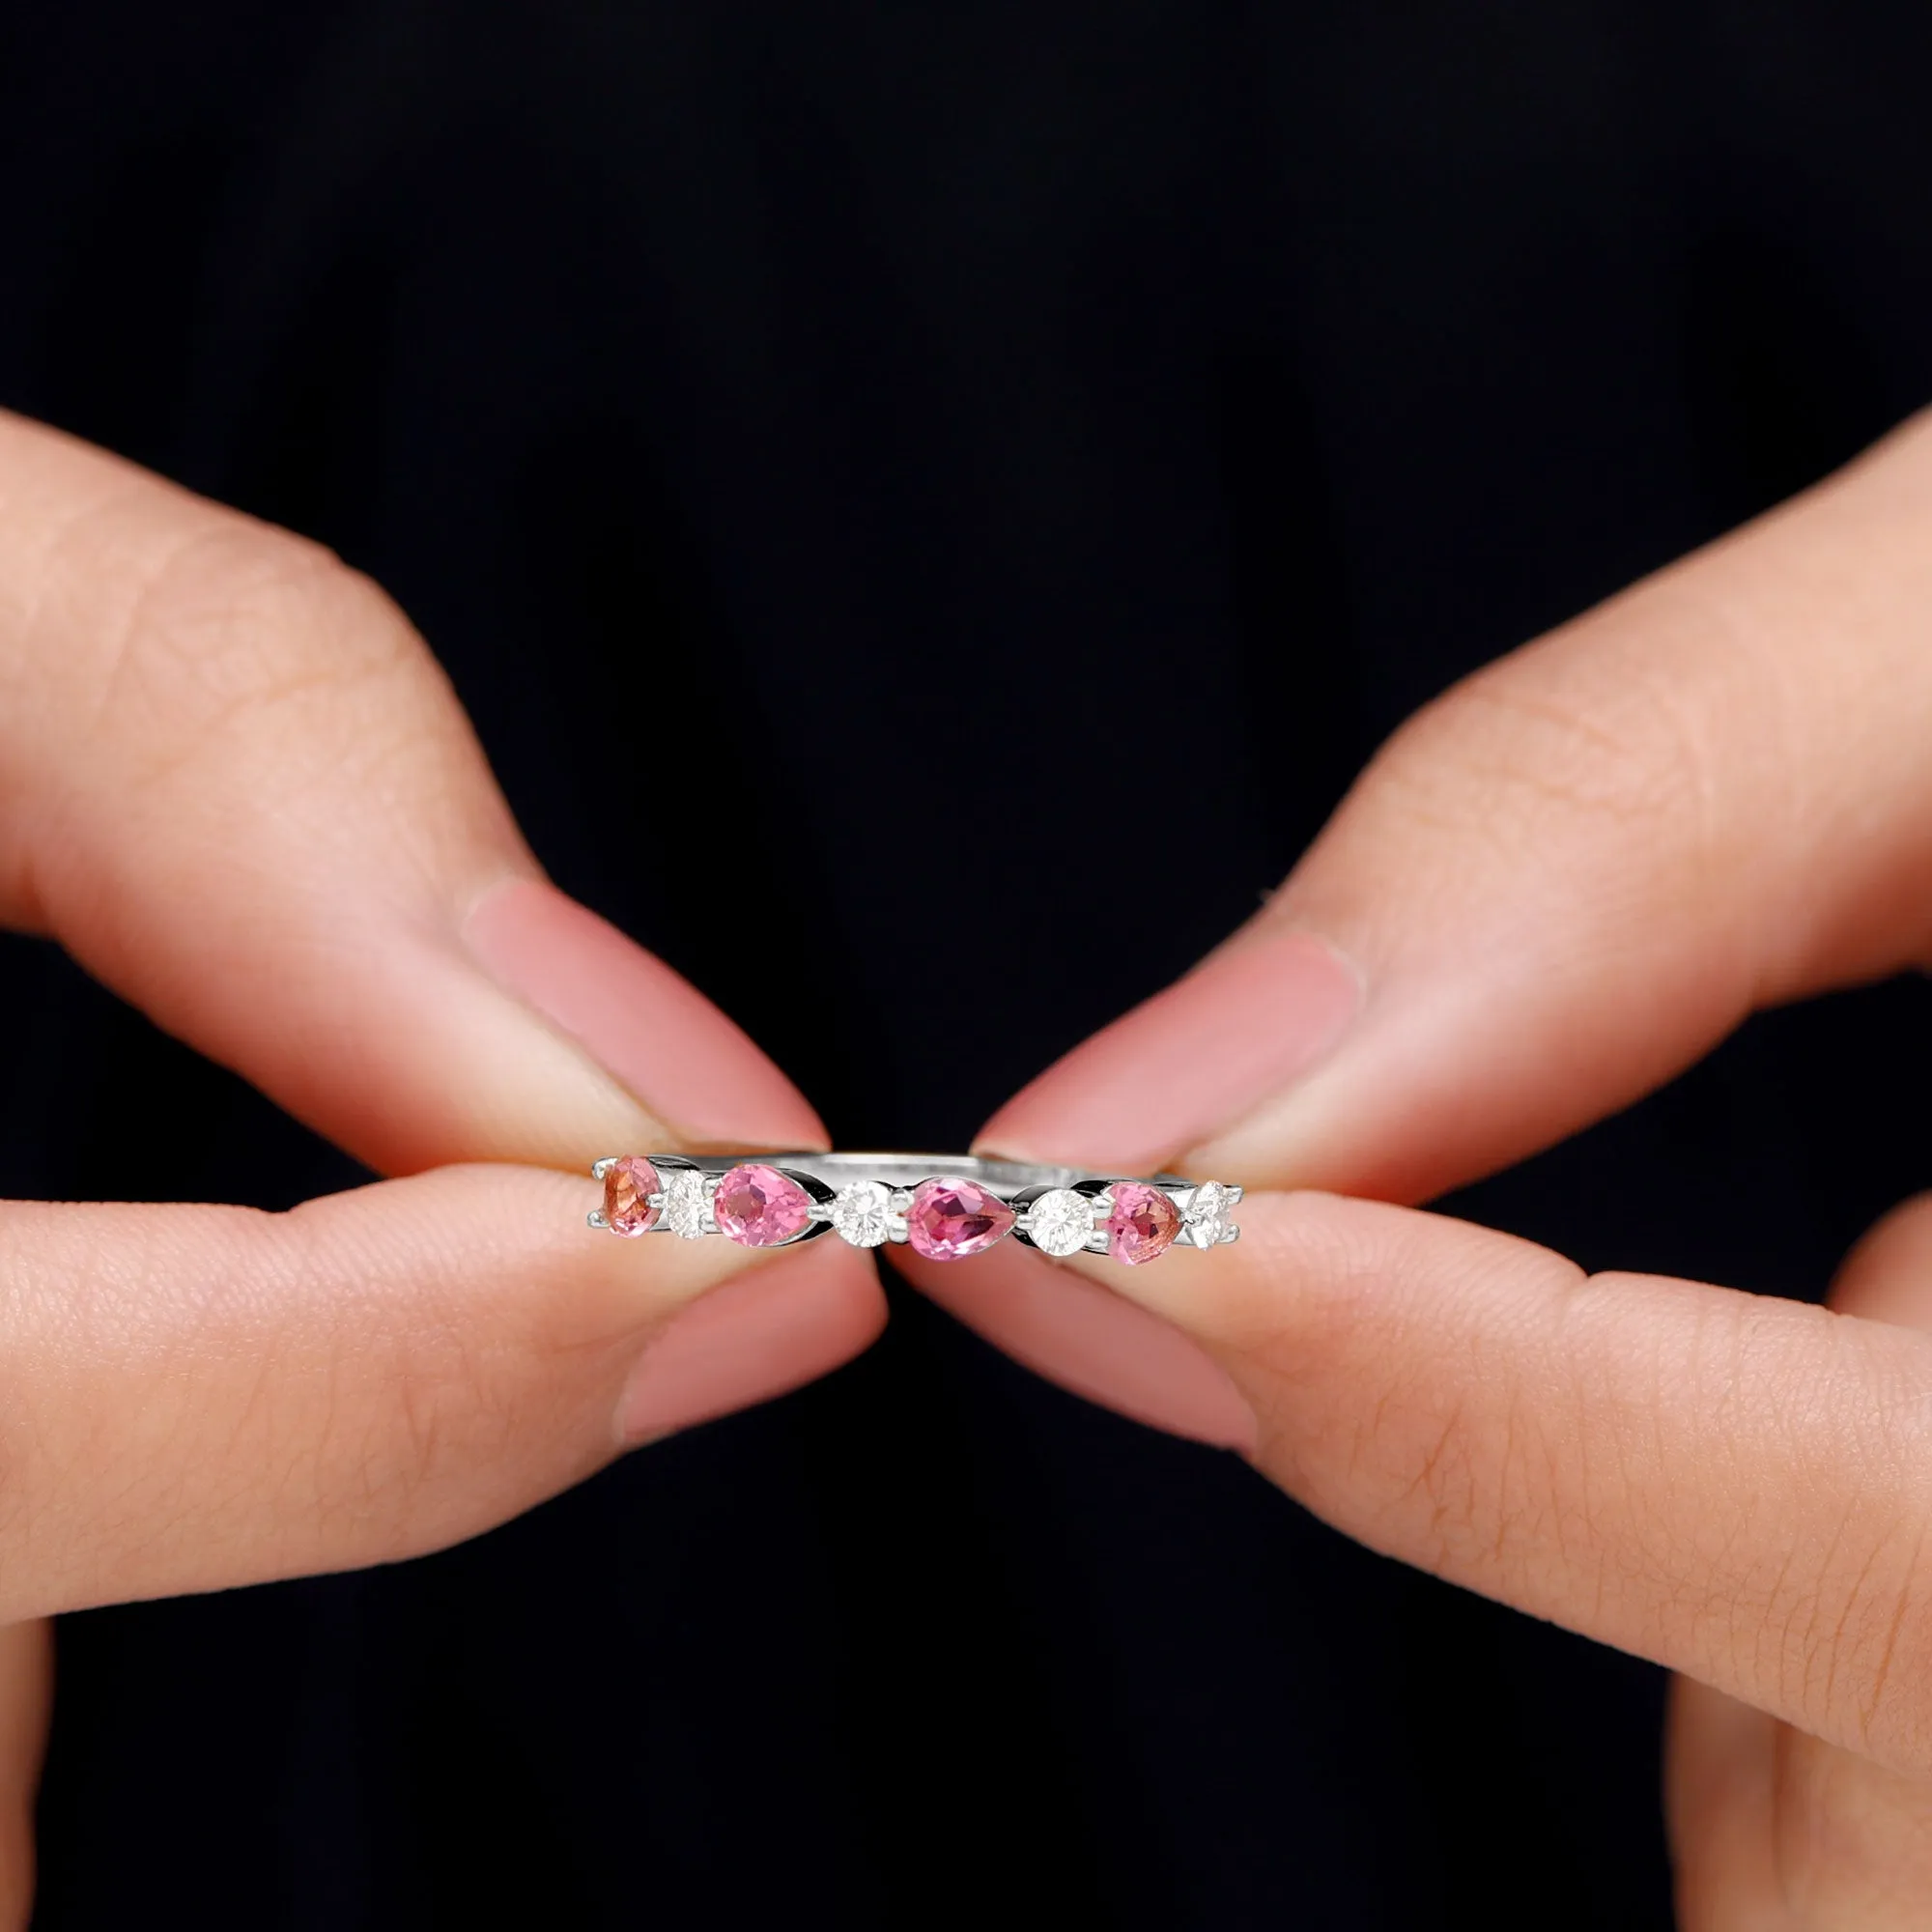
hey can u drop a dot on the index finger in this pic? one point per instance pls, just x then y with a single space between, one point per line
1566 880
237 786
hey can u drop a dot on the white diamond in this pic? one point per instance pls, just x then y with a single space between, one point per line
859 1212
686 1210
1206 1216
1059 1221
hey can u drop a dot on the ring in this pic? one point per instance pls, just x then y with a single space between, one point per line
944 1207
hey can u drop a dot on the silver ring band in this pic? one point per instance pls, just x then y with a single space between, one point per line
946 1207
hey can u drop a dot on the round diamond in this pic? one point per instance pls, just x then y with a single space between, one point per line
1059 1221
628 1185
686 1210
861 1211
1143 1223
1208 1213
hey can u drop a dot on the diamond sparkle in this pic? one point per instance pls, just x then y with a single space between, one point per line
1059 1221
1206 1216
686 1210
861 1212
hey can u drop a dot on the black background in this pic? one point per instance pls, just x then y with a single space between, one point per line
1265 366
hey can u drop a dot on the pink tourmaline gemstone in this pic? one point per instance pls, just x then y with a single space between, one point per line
1143 1223
758 1206
627 1183
951 1219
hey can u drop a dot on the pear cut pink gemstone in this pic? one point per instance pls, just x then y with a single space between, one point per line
951 1219
758 1206
1143 1223
628 1185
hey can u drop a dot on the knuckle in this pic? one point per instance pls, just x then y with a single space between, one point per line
1614 734
1837 1635
416 1395
232 626
1509 745
1806 1574
244 616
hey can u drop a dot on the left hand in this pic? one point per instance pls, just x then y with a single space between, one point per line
237 787
1554 890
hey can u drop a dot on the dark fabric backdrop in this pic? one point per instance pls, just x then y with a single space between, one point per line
1263 366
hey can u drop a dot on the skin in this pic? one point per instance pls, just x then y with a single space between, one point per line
1554 890
1558 886
235 786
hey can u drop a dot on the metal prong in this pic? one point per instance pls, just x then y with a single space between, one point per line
600 1168
596 1219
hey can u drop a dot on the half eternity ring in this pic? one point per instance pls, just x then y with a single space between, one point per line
946 1207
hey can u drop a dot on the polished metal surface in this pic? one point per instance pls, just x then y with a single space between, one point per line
866 1198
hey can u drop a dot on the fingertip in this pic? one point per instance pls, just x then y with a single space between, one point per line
1247 1023
1888 1275
651 1028
1066 1325
761 1335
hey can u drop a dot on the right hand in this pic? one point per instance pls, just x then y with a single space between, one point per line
1552 891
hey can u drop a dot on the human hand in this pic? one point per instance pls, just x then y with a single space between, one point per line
237 788
1552 891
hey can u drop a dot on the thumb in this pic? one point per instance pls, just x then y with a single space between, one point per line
194 1398
1565 880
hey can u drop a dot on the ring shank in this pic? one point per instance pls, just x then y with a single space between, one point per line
940 1200
1004 1177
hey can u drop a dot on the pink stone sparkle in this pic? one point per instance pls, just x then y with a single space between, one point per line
1143 1223
626 1184
758 1206
951 1219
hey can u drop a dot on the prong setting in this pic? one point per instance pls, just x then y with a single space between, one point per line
963 1205
1059 1221
862 1214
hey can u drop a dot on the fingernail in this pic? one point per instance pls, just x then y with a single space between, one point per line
1247 1022
755 1337
653 1031
1076 1332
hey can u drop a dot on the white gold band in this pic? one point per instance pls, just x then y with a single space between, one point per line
946 1207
